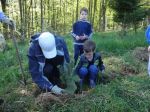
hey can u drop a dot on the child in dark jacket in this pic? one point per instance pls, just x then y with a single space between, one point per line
90 64
81 31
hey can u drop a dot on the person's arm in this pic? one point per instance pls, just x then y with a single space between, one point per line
40 79
5 19
74 32
89 31
37 76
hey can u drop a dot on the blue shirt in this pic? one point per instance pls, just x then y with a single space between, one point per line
2 16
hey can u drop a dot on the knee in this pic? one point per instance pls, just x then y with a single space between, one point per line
93 69
83 71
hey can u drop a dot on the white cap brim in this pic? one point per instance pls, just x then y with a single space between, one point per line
50 54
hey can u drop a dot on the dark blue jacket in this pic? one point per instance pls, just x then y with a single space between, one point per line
37 60
83 62
80 28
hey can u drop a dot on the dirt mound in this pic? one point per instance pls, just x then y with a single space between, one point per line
48 97
141 53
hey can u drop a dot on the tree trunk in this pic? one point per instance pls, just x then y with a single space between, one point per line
48 8
103 14
32 16
36 16
21 19
90 10
41 15
3 4
64 22
100 14
95 8
77 7
148 19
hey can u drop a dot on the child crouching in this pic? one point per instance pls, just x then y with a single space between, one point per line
90 64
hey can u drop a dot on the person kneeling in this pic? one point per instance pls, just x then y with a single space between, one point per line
46 53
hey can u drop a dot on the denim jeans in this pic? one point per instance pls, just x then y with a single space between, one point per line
92 71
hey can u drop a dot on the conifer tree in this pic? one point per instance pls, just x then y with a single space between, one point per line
127 12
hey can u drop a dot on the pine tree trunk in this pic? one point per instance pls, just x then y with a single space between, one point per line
64 22
48 8
3 4
90 10
36 16
95 7
103 14
100 14
21 19
148 19
32 16
77 7
41 15
25 18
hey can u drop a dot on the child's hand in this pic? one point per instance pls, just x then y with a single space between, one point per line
83 37
77 38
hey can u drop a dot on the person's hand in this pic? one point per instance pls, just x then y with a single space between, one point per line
77 38
57 90
83 37
10 22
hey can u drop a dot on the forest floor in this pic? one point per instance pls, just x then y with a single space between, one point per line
126 85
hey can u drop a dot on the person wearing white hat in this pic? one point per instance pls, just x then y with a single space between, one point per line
46 52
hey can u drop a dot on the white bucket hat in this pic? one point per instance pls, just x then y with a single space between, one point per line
48 45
